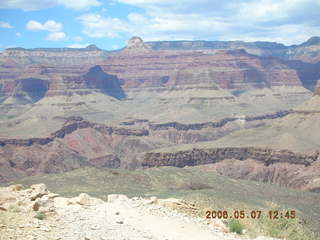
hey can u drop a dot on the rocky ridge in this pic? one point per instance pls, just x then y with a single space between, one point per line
307 51
54 56
74 123
71 126
217 124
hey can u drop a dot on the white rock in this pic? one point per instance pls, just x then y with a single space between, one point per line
86 200
37 191
117 197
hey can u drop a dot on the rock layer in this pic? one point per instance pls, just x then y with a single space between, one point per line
206 156
137 66
282 167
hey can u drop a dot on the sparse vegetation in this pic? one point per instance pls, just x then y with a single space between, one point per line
194 186
282 228
235 226
40 215
14 209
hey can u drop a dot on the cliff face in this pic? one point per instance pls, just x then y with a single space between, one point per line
281 167
138 66
225 69
166 64
93 80
34 82
308 51
206 156
284 174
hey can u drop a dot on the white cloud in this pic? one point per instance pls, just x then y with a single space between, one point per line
225 20
78 45
283 11
29 5
97 26
5 25
56 36
288 34
168 26
137 18
79 4
50 25
18 34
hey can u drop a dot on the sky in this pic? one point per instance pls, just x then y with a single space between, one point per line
110 23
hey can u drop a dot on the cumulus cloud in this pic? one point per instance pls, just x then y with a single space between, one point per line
5 25
56 36
50 25
168 26
29 5
97 26
286 21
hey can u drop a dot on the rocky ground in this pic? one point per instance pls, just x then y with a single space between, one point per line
88 218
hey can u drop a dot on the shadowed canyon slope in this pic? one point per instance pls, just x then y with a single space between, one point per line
151 104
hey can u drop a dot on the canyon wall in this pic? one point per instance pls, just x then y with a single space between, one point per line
138 66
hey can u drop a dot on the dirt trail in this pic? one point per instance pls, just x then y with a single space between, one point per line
87 218
136 219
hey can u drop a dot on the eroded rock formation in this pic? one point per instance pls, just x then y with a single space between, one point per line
138 66
281 167
206 156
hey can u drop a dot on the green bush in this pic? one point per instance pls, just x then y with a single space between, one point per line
40 215
236 226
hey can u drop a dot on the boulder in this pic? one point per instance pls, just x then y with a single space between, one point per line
37 191
152 200
176 204
86 200
117 197
15 188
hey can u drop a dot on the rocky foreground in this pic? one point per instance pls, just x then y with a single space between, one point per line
36 213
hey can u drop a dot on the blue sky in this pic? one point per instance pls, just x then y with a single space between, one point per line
110 23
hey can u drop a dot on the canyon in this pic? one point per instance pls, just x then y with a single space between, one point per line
240 109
